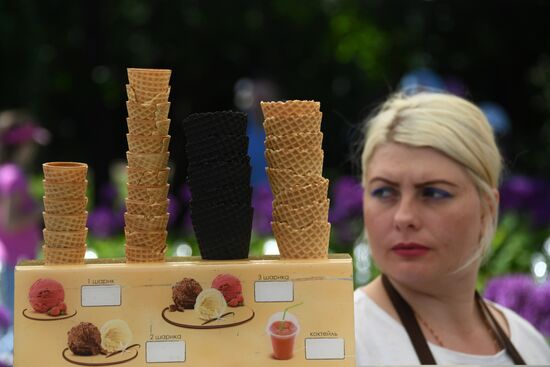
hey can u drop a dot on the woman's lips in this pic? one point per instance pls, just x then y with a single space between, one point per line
410 249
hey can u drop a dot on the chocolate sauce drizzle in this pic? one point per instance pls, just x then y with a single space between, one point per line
204 326
53 318
107 356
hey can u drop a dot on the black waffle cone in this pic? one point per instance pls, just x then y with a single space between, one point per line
210 174
232 194
216 148
200 125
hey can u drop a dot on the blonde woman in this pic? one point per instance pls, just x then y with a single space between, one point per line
430 170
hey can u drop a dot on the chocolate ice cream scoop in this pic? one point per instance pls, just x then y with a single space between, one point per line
185 292
84 339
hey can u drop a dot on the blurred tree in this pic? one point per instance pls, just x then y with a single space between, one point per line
65 61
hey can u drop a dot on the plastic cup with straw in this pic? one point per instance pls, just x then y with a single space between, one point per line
283 328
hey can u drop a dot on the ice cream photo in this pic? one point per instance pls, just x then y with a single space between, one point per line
210 304
84 339
88 345
47 299
45 295
230 286
184 293
115 336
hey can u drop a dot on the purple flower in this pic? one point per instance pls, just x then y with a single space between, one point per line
185 195
347 200
345 233
262 200
5 318
108 193
511 291
521 193
540 304
104 222
173 209
520 293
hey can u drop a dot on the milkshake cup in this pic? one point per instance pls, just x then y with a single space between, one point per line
283 334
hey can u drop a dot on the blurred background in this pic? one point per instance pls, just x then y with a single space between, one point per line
63 68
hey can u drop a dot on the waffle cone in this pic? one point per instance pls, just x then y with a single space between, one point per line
137 176
148 143
144 208
148 161
144 223
55 239
310 242
148 111
302 196
65 223
288 108
148 127
149 194
139 95
65 207
65 171
284 179
136 254
301 217
294 124
308 141
300 161
60 256
156 80
64 190
146 239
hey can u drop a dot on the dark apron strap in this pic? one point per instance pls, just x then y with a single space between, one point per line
501 336
410 323
418 339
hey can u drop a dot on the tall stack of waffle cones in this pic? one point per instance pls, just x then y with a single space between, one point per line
295 163
65 212
146 214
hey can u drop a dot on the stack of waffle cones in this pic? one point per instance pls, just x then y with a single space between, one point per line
146 214
295 163
219 177
65 212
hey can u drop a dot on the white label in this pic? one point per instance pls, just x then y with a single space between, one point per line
273 291
165 352
325 348
101 295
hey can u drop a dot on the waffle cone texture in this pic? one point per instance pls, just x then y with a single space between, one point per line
65 214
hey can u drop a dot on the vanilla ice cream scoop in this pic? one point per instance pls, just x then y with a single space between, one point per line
115 335
210 304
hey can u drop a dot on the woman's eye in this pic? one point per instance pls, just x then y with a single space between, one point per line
383 192
434 193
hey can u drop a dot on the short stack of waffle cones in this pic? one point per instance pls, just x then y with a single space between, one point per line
295 163
146 214
65 212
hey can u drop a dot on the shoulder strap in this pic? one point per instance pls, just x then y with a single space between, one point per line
501 336
410 323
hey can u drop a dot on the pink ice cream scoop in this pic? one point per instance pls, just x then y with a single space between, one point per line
231 288
46 294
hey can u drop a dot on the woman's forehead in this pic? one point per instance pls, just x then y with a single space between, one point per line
394 161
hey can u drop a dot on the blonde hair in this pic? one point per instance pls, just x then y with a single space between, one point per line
452 126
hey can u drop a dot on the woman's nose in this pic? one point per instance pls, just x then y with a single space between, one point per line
407 214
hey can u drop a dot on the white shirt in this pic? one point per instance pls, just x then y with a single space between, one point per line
382 340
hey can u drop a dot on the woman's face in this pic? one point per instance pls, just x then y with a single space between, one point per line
422 213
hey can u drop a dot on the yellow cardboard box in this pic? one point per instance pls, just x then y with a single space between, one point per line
130 304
